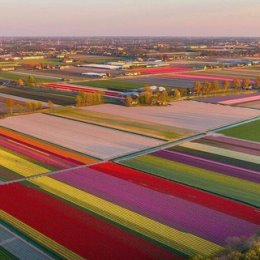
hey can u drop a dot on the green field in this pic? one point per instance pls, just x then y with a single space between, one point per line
15 76
249 131
52 62
122 123
40 95
234 188
111 84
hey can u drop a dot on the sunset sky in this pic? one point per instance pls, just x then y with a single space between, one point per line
130 17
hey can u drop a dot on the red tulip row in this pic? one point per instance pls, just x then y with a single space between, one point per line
212 201
77 230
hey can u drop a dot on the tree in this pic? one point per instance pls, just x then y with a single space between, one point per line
177 94
226 85
10 103
31 81
206 89
20 82
236 84
50 104
19 108
197 87
39 105
89 99
78 100
128 101
29 106
246 83
147 97
215 86
163 98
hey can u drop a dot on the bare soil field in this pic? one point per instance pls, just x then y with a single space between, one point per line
96 141
192 115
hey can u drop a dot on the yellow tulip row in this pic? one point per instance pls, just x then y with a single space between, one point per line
184 242
39 237
20 165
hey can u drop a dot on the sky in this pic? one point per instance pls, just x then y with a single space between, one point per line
130 18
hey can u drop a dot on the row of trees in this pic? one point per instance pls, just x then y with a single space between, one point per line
149 98
30 81
89 99
12 105
208 87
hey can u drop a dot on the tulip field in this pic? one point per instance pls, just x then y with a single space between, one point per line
23 156
88 139
215 164
178 200
115 217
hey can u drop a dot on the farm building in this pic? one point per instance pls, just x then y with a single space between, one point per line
94 75
102 66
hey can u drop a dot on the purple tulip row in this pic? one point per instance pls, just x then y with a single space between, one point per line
173 211
210 165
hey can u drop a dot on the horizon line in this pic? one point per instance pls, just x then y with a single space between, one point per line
127 36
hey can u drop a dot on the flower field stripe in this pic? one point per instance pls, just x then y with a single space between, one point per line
219 99
181 241
240 100
171 188
210 165
228 146
221 151
43 158
169 210
59 152
223 185
215 157
234 141
37 236
75 229
20 165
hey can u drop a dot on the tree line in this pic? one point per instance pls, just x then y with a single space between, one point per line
11 106
30 81
207 87
89 99
148 97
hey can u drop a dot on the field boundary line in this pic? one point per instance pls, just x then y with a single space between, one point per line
49 173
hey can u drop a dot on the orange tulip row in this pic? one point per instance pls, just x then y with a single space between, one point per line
47 147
